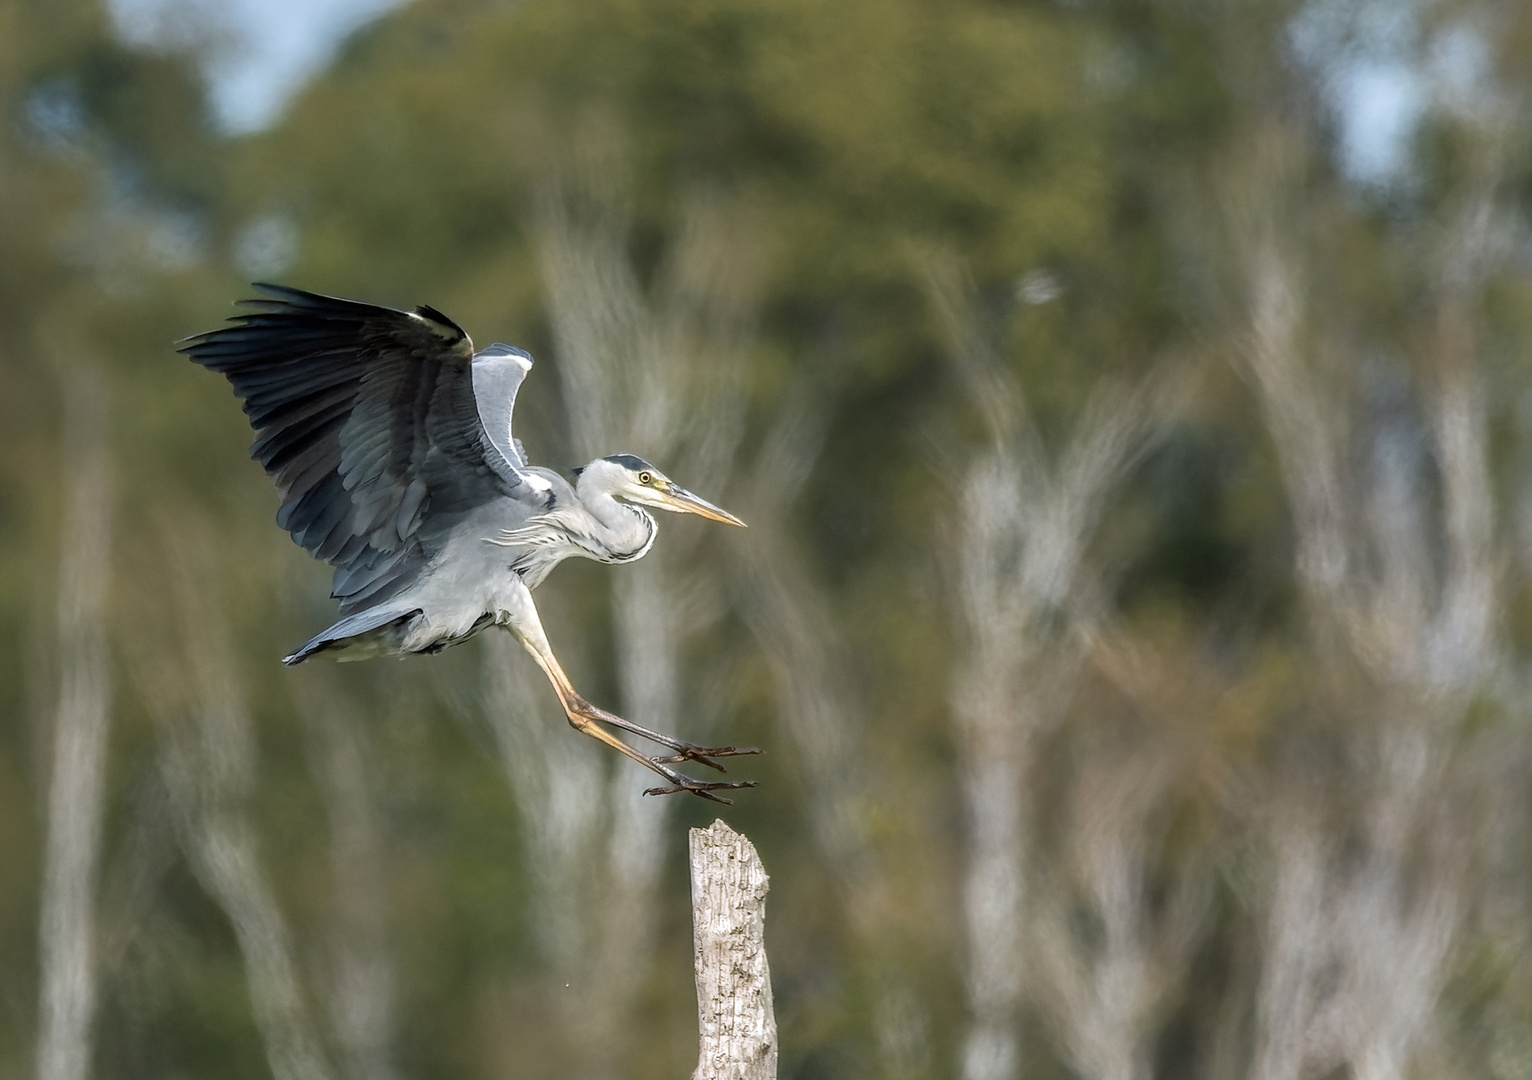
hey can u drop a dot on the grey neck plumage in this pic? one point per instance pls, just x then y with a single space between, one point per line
622 532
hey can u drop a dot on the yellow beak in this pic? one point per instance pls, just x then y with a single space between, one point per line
677 498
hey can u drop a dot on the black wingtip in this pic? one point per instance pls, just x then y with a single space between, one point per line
278 292
426 311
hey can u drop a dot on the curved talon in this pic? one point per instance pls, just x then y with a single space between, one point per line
699 752
702 789
704 755
675 759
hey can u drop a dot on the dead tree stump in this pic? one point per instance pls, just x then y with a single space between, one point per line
738 1030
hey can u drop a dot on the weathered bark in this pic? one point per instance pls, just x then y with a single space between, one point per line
738 1030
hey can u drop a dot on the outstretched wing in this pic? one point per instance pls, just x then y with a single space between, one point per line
498 372
368 420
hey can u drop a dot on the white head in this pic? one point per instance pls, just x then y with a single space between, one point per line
631 478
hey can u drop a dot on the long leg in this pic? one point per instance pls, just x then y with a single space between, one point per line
586 718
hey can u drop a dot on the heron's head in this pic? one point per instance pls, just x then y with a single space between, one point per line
628 477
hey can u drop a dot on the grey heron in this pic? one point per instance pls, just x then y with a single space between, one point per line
389 439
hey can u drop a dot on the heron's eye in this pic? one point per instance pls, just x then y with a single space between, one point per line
644 478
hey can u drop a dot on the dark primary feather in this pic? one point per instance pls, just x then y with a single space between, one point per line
366 420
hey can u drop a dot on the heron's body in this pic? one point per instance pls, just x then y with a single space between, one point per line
480 575
390 442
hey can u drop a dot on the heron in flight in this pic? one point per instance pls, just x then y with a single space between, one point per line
390 442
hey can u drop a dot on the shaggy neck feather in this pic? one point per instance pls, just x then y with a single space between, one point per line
626 531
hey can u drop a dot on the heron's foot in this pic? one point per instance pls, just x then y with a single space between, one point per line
684 751
704 755
588 718
701 788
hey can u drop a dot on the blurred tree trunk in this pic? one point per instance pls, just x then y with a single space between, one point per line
1113 922
67 935
361 991
1021 526
208 759
1365 907
556 779
822 714
656 372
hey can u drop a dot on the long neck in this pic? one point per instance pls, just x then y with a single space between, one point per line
625 532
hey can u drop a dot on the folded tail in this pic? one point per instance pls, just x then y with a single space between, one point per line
359 636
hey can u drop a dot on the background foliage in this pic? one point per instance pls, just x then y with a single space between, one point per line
1134 609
